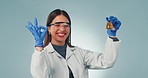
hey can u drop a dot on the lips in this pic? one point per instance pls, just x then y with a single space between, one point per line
61 34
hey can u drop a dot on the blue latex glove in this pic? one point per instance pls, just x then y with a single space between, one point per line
38 32
116 23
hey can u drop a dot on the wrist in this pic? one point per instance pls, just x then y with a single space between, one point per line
39 48
114 38
39 43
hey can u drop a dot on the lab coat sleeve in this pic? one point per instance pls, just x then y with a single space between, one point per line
39 68
105 59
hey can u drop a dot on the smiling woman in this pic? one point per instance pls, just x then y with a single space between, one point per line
56 19
59 30
57 58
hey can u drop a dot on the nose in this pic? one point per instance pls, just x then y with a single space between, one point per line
62 28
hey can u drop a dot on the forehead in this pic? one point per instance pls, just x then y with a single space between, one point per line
60 18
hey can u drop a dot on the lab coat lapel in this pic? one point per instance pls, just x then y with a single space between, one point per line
50 48
69 52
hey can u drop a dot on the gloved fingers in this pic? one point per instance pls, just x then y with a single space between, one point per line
109 18
34 33
30 26
40 30
36 23
43 30
116 23
113 20
32 29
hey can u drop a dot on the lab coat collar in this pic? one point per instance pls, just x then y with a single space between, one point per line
69 50
50 48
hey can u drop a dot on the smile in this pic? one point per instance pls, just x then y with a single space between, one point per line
61 34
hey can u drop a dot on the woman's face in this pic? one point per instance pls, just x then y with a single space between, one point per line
59 30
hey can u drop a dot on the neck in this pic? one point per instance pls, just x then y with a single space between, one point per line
58 43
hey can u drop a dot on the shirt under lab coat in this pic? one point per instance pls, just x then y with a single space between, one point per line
50 64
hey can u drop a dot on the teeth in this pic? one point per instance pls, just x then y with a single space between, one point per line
61 34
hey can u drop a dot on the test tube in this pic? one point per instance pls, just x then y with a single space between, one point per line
110 26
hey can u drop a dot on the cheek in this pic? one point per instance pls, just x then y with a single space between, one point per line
51 30
68 32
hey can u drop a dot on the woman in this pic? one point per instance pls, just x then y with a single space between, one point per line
57 58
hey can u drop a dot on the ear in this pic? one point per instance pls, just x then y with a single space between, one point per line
49 29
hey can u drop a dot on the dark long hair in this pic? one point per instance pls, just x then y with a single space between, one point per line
50 18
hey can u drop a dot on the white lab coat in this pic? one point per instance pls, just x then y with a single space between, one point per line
50 64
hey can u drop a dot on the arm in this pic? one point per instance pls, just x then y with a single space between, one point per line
39 68
105 59
110 53
108 57
39 65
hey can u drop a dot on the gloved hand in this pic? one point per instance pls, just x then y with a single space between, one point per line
38 32
116 23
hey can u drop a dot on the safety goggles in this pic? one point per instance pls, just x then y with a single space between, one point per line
59 24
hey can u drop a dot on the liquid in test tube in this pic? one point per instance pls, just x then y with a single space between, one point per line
110 26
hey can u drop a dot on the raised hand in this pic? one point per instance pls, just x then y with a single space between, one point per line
116 23
38 32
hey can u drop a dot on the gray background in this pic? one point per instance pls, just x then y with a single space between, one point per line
88 32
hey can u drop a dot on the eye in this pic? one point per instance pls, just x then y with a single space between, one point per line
57 25
66 25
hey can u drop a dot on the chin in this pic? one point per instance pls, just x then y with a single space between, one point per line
62 40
